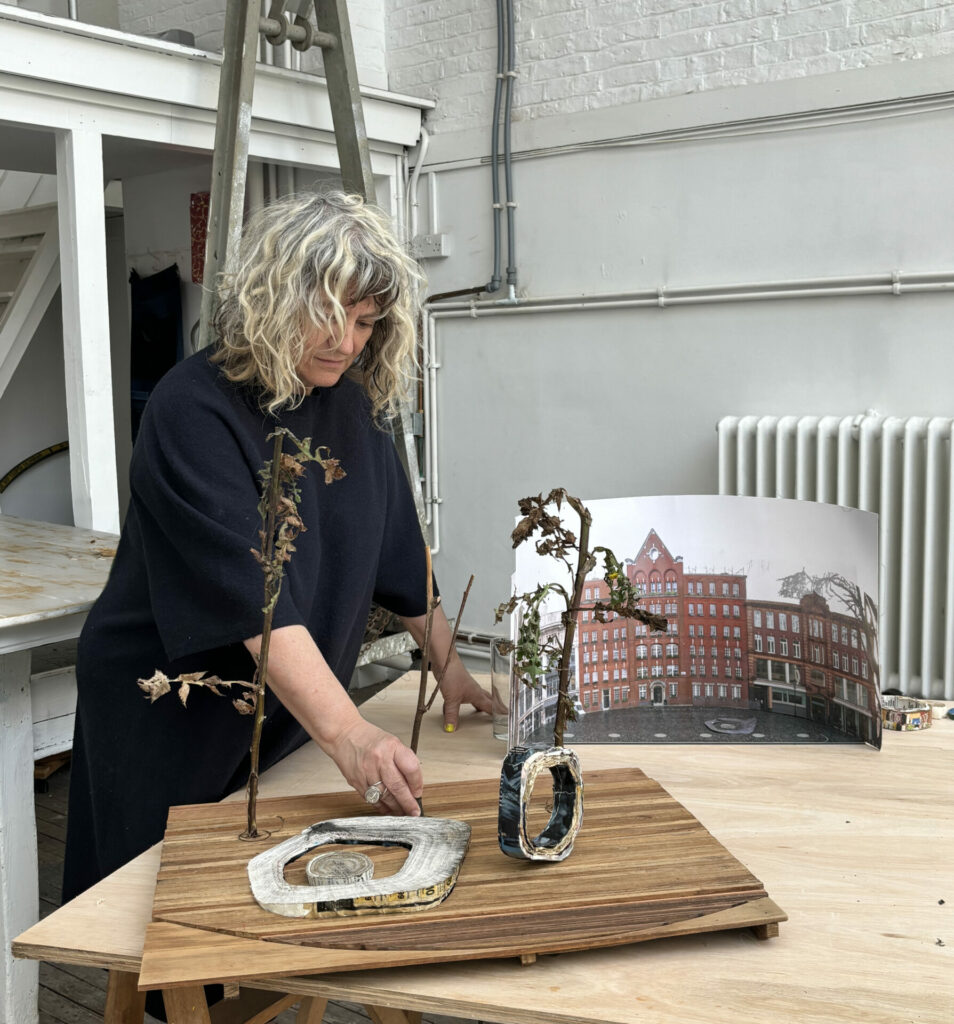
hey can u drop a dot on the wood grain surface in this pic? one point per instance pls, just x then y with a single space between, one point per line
857 845
642 865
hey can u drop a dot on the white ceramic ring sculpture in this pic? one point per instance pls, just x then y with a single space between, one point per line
436 848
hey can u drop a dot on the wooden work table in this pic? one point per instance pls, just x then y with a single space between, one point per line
50 577
857 846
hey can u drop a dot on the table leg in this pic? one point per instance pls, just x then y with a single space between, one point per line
125 1004
186 1005
19 888
311 1010
391 1015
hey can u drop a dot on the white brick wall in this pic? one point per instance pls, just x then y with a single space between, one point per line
584 54
205 19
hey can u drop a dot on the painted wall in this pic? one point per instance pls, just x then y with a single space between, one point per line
575 55
619 402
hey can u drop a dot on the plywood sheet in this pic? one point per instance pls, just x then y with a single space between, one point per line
643 867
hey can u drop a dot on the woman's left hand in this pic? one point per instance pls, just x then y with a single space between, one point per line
457 688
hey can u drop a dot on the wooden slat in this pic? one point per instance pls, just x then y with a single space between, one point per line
642 866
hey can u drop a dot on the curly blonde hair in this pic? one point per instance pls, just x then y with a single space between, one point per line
302 259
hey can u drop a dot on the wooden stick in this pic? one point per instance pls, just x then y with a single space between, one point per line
425 654
450 649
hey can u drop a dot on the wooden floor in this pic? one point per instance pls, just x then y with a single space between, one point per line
77 995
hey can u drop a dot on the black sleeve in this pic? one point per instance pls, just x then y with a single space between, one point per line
195 493
401 585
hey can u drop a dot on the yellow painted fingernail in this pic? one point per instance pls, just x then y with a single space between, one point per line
449 727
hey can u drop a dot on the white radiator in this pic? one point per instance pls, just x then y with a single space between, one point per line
899 468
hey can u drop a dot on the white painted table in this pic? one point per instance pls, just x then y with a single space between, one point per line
49 578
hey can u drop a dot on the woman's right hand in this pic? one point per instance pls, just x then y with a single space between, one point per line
366 754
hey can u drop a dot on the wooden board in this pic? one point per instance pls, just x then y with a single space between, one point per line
643 867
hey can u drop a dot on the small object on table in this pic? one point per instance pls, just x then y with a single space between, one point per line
904 714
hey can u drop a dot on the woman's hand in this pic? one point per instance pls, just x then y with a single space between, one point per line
366 754
457 688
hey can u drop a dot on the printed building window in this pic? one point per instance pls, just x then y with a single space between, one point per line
697 689
758 643
757 619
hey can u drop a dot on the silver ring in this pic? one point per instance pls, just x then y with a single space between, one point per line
374 792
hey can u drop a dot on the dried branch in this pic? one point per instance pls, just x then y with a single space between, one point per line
450 649
281 526
425 654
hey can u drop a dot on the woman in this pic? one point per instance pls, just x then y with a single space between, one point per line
315 333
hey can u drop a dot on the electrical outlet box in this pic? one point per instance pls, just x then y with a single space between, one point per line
428 247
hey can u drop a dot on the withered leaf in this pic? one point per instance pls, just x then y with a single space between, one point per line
156 686
333 470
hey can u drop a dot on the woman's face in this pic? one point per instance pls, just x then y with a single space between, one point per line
323 362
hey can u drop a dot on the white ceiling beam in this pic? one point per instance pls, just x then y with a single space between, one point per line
86 346
29 220
123 69
30 301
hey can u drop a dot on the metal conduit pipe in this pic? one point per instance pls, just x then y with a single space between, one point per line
494 283
893 283
508 156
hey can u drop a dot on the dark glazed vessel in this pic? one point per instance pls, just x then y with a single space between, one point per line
520 769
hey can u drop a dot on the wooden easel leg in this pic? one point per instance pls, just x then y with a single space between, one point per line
186 1005
311 1010
390 1015
125 1004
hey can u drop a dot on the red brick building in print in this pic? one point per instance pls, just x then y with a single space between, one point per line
700 660
722 650
809 661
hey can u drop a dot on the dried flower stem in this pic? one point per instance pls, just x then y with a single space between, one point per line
569 619
261 670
